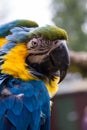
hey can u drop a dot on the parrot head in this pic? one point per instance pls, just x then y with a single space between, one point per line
48 52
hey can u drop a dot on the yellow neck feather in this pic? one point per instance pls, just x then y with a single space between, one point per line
2 41
14 63
52 86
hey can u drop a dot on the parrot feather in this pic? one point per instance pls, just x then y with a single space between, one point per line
14 63
5 28
49 32
3 41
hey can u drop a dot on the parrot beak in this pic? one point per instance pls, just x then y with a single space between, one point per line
61 60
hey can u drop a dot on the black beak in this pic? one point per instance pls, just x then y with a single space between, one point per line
61 60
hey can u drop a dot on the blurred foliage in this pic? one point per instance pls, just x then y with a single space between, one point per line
72 16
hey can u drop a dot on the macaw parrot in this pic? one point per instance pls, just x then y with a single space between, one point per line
33 60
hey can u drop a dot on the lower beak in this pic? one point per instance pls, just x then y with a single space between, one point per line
61 60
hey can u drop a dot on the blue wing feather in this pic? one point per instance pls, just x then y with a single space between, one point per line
5 28
17 107
27 108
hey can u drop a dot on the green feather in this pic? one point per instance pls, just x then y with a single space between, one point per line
5 29
49 32
24 23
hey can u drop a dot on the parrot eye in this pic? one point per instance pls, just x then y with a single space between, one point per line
32 43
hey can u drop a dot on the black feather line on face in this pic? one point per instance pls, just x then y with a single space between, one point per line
39 53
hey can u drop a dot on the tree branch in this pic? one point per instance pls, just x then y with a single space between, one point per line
78 62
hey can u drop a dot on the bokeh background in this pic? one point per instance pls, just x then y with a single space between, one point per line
69 111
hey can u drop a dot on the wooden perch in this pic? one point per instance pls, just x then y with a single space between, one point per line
78 62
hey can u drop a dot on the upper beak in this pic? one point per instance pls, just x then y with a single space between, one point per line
61 60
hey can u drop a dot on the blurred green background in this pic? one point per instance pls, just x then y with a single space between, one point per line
72 15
